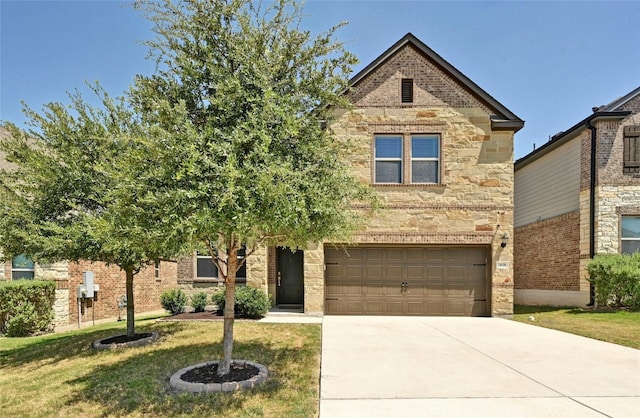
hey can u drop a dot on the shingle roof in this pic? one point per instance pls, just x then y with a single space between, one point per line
608 111
503 119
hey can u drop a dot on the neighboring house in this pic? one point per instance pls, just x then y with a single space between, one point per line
575 197
148 284
438 150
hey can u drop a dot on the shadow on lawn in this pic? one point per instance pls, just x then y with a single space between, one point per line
140 384
73 344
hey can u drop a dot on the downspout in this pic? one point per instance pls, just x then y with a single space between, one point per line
592 205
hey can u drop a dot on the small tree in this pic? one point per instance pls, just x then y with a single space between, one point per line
68 196
243 97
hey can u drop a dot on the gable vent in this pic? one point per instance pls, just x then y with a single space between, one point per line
407 90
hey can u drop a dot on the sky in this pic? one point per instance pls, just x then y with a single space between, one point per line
549 62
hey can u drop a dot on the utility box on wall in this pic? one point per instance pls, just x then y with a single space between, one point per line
88 288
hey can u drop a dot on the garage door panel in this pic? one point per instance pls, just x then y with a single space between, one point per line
441 281
415 272
393 307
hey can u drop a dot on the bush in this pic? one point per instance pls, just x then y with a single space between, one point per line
250 302
616 279
199 301
26 306
174 301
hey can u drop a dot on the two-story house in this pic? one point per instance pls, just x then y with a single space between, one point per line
438 150
575 197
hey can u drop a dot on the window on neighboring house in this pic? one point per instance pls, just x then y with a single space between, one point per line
425 158
421 166
206 269
631 149
407 90
630 234
22 268
156 269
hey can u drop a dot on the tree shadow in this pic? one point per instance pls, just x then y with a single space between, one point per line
531 309
140 385
74 344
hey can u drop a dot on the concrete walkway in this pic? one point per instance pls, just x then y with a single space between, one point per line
471 367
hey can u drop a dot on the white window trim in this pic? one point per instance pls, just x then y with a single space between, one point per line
384 159
32 270
623 238
436 159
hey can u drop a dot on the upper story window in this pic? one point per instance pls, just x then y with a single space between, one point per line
407 90
22 268
630 234
407 159
206 269
631 149
388 159
425 158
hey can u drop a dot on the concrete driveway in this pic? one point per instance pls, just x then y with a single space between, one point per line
471 367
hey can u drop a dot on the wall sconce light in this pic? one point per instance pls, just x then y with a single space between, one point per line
505 239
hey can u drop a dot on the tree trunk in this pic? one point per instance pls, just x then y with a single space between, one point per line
229 311
131 324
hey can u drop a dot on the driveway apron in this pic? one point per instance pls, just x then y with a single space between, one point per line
471 367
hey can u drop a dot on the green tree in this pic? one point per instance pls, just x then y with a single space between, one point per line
68 195
244 96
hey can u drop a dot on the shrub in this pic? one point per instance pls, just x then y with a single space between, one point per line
250 302
199 301
174 301
26 306
616 278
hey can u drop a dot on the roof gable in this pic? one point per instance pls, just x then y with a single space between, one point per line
440 81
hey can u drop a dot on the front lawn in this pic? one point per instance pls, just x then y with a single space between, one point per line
60 375
618 327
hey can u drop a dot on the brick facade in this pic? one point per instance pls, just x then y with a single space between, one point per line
616 193
548 254
147 289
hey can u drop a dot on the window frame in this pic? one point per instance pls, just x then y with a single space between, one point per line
377 159
417 159
406 159
627 239
240 279
31 270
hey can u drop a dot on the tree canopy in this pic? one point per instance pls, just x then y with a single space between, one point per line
68 195
244 97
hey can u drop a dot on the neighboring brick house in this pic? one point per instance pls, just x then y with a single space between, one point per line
148 284
438 150
575 197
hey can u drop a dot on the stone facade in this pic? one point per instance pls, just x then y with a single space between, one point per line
471 204
616 192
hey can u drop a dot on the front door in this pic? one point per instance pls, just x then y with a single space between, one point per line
290 278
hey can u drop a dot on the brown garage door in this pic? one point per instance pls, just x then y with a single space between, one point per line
406 281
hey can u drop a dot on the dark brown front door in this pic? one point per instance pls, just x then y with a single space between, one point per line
290 280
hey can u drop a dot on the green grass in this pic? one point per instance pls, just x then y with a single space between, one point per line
59 375
618 327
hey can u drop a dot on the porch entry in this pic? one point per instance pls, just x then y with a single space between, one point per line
290 278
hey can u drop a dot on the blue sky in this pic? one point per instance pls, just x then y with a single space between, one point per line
548 62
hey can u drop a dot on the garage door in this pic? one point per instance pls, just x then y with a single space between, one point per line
406 281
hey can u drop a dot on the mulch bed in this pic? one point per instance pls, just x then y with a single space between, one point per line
209 374
121 339
200 316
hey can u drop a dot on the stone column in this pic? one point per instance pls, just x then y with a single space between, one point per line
314 278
